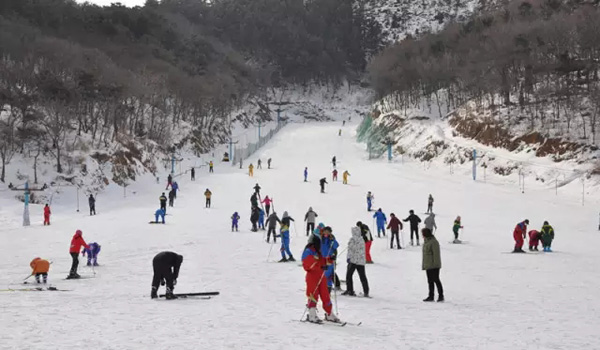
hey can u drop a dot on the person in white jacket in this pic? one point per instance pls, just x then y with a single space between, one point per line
356 262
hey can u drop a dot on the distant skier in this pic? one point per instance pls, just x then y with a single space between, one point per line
92 203
432 263
193 174
171 197
430 204
251 170
306 174
259 164
261 219
285 243
235 218
208 195
310 218
329 246
334 176
356 262
430 222
166 267
271 222
455 228
257 189
40 268
340 132
254 216
163 202
381 221
169 181
47 215
519 235
92 253
269 163
211 166
345 177
343 123
370 198
267 202
160 212
534 240
322 182
334 161
368 238
547 236
175 188
76 243
414 226
395 226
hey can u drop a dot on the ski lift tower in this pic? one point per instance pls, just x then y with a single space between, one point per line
27 192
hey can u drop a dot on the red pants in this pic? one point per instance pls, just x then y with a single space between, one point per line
518 241
368 251
46 219
321 290
534 240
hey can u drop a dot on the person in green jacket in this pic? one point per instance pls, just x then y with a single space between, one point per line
455 229
547 233
432 263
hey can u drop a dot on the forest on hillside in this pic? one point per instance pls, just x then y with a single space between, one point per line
117 74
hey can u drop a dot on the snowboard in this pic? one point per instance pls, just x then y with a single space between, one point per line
185 295
154 222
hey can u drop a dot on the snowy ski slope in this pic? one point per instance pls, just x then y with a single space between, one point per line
495 300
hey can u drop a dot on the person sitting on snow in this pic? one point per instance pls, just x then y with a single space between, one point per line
92 253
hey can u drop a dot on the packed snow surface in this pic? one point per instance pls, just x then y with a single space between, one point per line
494 300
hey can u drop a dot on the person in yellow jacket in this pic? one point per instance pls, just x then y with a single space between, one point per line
345 177
251 170
207 194
40 267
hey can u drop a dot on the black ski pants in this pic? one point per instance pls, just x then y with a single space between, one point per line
208 202
397 235
93 209
310 227
433 277
163 205
271 230
162 272
414 231
361 273
75 263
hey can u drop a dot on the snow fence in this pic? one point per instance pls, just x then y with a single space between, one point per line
241 153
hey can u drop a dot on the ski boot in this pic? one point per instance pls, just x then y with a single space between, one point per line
549 250
411 242
153 294
95 264
283 260
73 275
45 279
312 316
37 279
89 263
440 299
349 293
332 318
428 299
169 294
418 244
291 258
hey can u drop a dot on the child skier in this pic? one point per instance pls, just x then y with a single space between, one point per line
261 219
208 195
547 236
370 198
259 164
534 240
395 226
345 177
306 174
76 243
160 212
40 267
46 215
334 176
267 202
235 218
455 229
519 235
92 253
381 221
285 243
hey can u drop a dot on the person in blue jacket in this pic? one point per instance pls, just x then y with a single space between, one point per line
285 244
305 174
329 246
381 222
261 219
235 218
175 188
92 253
160 212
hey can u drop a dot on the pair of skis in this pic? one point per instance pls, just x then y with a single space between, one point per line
204 295
329 323
35 289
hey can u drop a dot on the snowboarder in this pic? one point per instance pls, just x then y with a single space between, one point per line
211 166
455 228
329 246
395 226
269 163
271 222
334 176
430 222
547 234
305 174
208 195
285 242
92 253
430 204
345 177
368 238
92 203
381 221
315 266
261 219
251 170
432 263
160 212
370 198
356 262
163 202
257 189
175 188
171 197
534 240
166 267
40 267
259 164
310 220
235 218
414 226
169 181
254 216
334 161
47 215
76 243
519 235
322 182
267 202
193 174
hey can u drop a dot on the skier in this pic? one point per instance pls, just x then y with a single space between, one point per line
519 236
322 182
340 132
166 271
315 266
76 243
193 174
334 177
271 222
251 170
356 262
92 253
381 221
211 166
257 189
208 195
285 242
414 226
432 263
169 181
163 202
254 216
430 222
286 219
310 220
430 204
334 161
305 174
395 226
254 200
267 202
368 238
455 229
534 240
343 123
46 215
175 188
235 218
40 267
329 246
160 212
269 163
92 203
261 219
259 164
370 198
547 234
345 177
171 197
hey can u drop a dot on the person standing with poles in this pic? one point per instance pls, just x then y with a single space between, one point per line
267 202
356 262
310 218
271 223
395 226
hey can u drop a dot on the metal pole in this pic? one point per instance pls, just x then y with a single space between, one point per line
173 164
78 199
259 131
26 209
583 191
474 164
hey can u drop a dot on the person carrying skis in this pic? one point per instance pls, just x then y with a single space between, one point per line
334 161
430 204
285 243
257 189
92 203
329 246
370 198
305 174
169 182
271 222
235 218
174 188
322 182
269 163
345 177
534 240
251 170
314 265
395 226
171 197
193 174
519 235
455 228
261 219
368 238
208 195
414 226
254 216
259 164
211 166
356 262
547 234
430 222
47 215
163 202
40 267
76 243
92 253
334 176
381 221
310 218
267 202
432 263
166 267
160 212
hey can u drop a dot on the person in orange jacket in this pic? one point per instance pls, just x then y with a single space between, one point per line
47 215
76 243
40 267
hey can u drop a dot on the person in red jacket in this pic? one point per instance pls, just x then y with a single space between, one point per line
519 235
534 239
76 243
334 175
395 225
267 201
47 215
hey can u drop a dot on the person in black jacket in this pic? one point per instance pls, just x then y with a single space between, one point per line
271 223
323 181
257 189
414 226
92 202
166 271
171 197
255 214
163 202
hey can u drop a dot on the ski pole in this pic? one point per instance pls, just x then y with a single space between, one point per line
26 278
295 230
313 293
268 256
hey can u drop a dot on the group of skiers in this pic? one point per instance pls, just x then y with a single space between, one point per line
48 212
334 176
258 166
545 235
